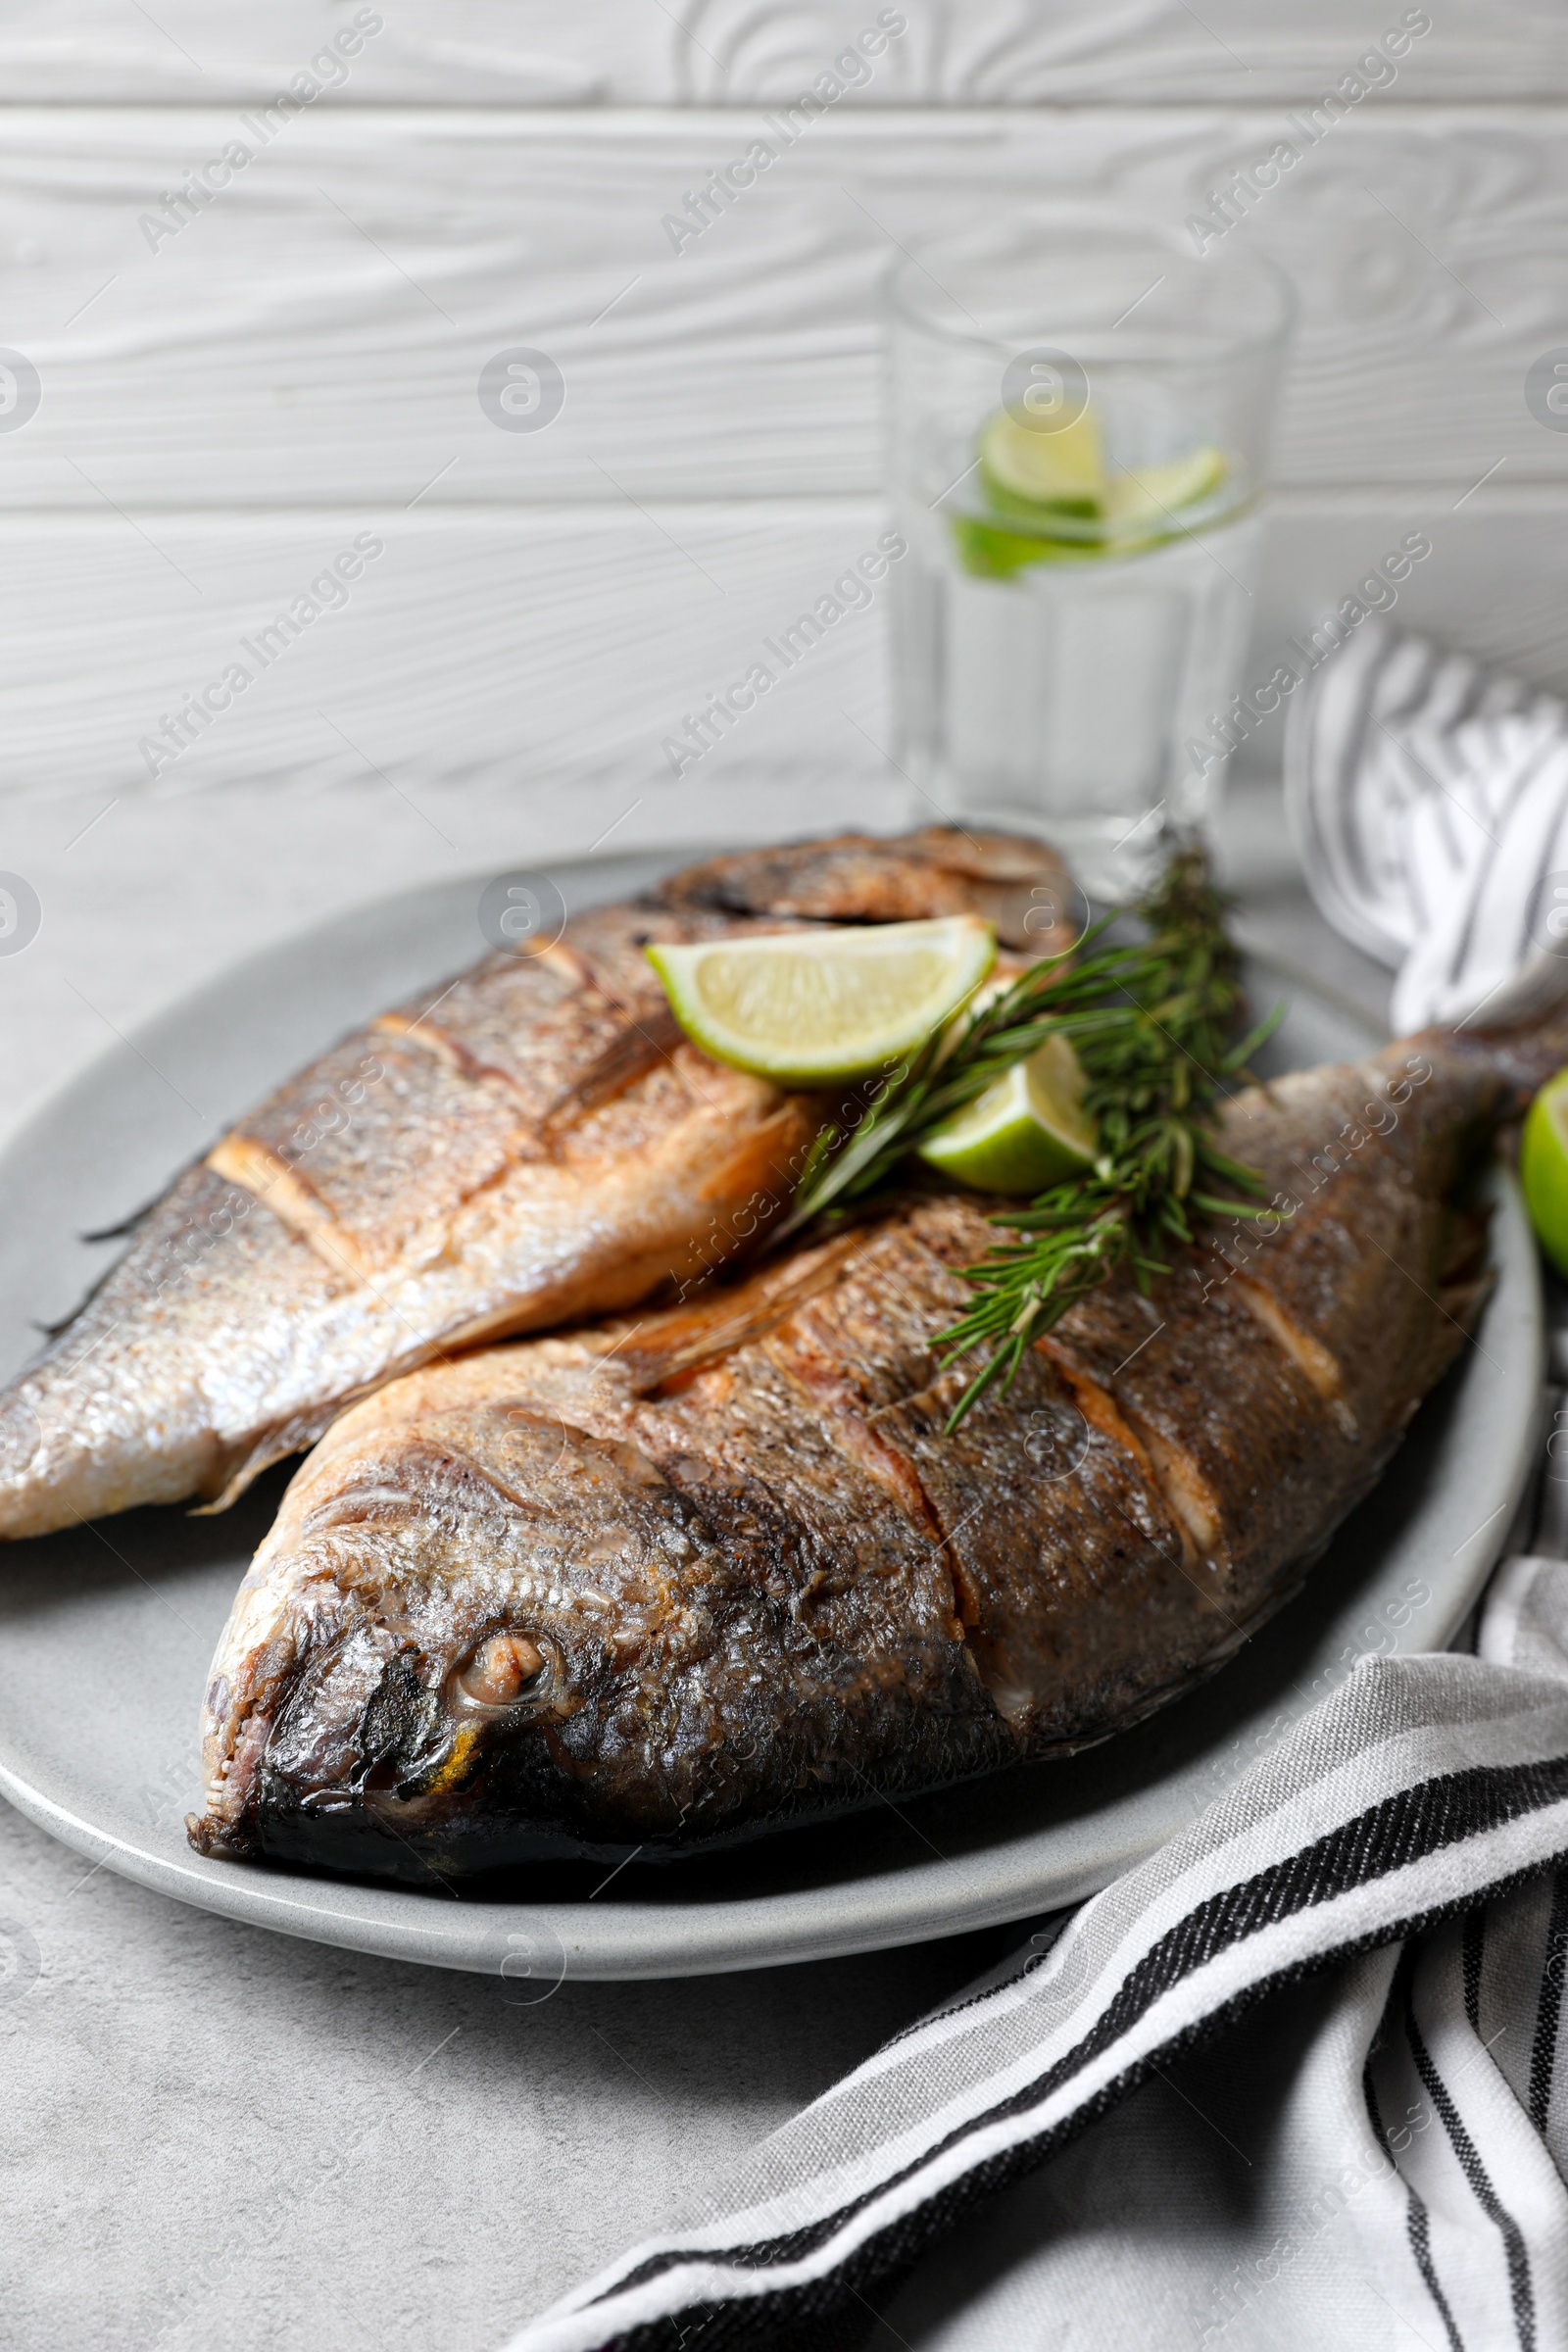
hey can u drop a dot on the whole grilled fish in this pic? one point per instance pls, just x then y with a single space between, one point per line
532 1145
668 1582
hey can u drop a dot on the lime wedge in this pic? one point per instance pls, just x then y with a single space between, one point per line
1152 496
818 1007
1543 1168
1023 1134
1025 469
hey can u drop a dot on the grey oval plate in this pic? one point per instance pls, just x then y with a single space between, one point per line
108 1631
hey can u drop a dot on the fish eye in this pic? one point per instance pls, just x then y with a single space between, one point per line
500 1670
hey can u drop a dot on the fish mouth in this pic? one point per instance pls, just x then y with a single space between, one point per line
388 1757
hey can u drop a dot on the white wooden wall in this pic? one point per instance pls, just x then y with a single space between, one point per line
220 415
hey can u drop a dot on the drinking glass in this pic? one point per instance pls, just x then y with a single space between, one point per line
1079 433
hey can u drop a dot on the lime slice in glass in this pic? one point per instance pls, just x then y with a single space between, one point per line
1543 1168
819 1007
1057 483
1151 497
991 553
1031 473
1026 1133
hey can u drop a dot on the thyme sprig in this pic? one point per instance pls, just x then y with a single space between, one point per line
1151 1024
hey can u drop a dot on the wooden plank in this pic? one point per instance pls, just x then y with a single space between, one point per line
540 651
521 646
317 334
741 52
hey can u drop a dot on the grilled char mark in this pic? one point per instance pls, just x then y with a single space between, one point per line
1183 1511
856 1351
1364 1178
1309 1356
378 1193
371 1152
292 1199
753 1169
1057 1531
640 1047
1246 1487
421 1031
651 1036
471 1102
370 1155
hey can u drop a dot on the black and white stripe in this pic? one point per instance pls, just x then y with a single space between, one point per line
1422 1790
1429 801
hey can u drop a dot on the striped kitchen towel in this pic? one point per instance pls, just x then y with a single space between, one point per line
1296 2081
1429 801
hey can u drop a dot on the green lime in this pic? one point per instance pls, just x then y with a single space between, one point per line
1026 1133
991 553
1057 482
1543 1168
1025 469
1151 497
819 1007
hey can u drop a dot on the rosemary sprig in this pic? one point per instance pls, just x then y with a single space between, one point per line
1150 1023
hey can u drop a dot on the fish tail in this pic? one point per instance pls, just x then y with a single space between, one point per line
1520 1034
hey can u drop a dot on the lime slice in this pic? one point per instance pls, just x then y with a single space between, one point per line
816 1007
1154 495
1023 1134
1543 1168
1025 469
991 553
1045 478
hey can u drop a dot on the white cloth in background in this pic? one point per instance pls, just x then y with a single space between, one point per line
1429 801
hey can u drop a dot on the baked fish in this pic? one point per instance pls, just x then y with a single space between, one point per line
686 1578
534 1143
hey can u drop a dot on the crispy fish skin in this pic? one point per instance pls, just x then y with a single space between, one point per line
654 1585
539 1146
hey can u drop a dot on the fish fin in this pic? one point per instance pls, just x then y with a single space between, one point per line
1530 1045
273 1445
128 1224
55 1331
686 1341
759 1161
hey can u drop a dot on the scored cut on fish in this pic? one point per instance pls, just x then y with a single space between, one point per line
660 1585
532 1145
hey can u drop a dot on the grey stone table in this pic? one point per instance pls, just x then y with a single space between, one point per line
210 2133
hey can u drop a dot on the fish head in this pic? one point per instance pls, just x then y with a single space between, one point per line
458 1639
